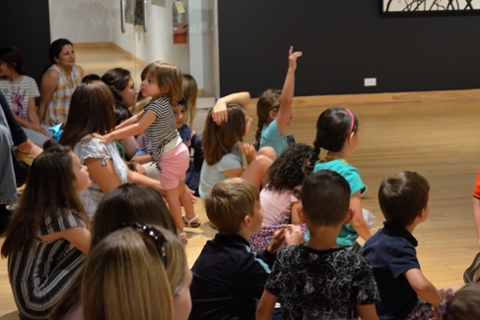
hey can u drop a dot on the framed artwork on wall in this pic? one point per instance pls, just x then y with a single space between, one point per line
430 6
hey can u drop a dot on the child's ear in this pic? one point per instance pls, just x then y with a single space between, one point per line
349 217
350 137
301 215
247 221
272 114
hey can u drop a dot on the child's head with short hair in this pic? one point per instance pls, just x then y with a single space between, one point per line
121 114
168 78
465 304
403 196
229 202
325 199
188 102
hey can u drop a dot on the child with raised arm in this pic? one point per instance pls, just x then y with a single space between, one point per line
223 147
162 82
404 290
320 280
275 113
228 278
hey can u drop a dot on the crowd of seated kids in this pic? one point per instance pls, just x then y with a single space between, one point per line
287 217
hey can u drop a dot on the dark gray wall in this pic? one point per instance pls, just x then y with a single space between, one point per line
26 25
344 41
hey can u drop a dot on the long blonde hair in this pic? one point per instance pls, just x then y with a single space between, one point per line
131 275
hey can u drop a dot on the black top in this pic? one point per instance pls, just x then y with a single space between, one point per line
391 252
228 279
327 284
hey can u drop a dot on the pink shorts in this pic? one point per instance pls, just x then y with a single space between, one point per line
174 164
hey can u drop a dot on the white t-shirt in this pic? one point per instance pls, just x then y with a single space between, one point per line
18 93
277 206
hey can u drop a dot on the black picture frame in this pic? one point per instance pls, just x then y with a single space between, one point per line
427 7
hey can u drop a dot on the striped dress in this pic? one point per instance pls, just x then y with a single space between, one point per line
39 276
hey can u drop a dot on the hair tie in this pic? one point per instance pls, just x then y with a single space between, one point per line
353 121
449 296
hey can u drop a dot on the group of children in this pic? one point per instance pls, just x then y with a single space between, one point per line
288 222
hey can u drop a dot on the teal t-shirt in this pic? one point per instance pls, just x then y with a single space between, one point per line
272 137
347 236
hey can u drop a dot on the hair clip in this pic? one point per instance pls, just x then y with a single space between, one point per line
153 233
448 295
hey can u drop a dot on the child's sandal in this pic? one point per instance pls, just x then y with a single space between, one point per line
191 223
183 237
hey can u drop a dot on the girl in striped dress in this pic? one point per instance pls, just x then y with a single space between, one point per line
163 83
47 238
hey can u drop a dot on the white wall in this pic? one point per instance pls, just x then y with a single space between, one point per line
83 21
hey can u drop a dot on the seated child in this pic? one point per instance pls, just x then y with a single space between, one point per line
320 280
405 292
463 304
228 278
278 199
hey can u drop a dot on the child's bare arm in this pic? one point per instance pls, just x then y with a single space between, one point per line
367 311
288 90
476 217
130 121
358 222
266 306
219 112
424 288
132 130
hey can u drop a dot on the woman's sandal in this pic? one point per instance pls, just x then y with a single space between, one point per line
183 237
191 223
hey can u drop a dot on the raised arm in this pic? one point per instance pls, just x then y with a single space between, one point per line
286 100
219 112
48 84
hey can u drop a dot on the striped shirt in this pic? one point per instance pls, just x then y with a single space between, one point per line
41 275
162 130
59 105
18 94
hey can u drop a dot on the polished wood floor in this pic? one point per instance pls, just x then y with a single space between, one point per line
435 134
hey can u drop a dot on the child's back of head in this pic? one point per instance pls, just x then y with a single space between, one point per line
403 196
325 199
286 173
228 202
464 304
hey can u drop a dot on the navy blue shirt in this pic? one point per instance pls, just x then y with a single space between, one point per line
228 279
391 252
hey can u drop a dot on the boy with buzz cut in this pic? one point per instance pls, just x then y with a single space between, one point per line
228 278
320 280
404 290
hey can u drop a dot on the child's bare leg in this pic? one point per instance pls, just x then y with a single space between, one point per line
173 201
256 169
186 200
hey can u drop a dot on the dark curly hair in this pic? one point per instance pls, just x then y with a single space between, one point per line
286 172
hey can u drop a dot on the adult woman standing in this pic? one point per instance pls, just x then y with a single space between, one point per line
91 112
58 83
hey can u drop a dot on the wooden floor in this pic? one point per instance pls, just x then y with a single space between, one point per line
438 139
